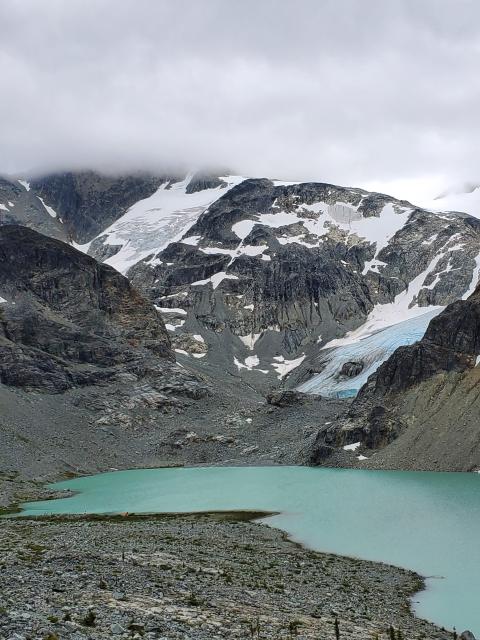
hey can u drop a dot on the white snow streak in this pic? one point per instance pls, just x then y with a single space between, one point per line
49 209
215 280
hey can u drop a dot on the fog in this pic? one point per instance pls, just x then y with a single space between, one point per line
381 94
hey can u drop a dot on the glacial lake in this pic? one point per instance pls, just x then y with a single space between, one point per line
428 522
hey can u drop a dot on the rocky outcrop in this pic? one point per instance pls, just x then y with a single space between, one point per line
68 321
351 369
201 181
286 398
88 202
20 205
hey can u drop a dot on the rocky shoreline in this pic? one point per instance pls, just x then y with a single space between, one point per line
203 577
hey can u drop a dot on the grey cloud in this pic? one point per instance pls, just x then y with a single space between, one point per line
348 91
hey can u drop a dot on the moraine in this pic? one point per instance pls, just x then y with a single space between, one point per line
428 522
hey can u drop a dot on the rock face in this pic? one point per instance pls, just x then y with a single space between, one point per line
68 321
88 202
420 408
20 205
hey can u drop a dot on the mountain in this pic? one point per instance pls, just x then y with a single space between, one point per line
277 283
420 408
272 275
80 351
256 287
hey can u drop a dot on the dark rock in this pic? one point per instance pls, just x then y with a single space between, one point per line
201 181
351 369
68 320
286 398
88 202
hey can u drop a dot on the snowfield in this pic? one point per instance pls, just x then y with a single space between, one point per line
153 223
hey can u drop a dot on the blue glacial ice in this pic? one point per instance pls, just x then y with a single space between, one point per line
371 350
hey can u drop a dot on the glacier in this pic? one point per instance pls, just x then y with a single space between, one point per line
371 350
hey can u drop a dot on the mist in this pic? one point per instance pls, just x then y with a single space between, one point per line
378 94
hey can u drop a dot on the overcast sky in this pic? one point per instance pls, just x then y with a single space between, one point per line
376 93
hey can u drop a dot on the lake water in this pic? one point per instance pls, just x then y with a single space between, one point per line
429 522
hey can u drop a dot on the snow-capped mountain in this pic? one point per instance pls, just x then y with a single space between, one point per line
309 283
273 275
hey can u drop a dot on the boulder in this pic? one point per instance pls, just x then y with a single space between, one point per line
285 398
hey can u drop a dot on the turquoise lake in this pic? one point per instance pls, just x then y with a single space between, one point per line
429 522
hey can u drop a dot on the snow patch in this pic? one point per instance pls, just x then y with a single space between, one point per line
475 278
192 240
283 366
242 229
250 363
352 447
176 310
215 280
48 209
25 184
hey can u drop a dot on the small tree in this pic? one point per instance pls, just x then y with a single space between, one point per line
391 633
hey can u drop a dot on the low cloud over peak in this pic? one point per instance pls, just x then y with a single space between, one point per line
348 92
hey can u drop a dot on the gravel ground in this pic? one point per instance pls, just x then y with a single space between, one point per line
199 577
